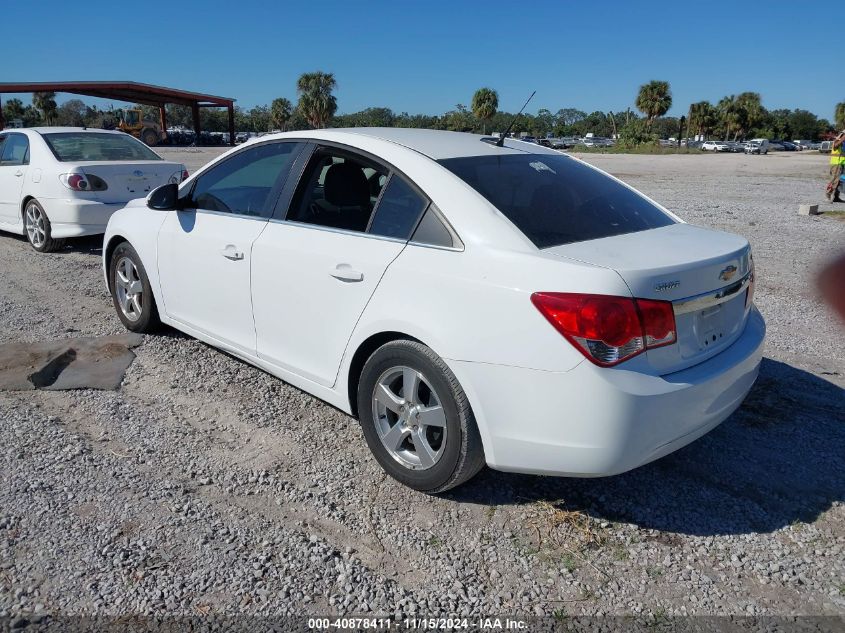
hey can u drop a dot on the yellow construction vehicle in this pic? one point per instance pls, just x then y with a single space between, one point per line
132 122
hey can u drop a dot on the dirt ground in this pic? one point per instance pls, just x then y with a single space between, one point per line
206 486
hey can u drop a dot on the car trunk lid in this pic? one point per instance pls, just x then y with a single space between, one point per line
127 181
706 274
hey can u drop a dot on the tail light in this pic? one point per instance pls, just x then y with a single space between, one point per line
178 177
79 181
749 293
606 329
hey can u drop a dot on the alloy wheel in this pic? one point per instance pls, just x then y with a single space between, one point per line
129 289
35 229
409 418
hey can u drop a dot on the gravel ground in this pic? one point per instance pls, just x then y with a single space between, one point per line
205 486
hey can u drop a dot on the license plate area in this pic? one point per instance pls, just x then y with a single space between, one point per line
709 327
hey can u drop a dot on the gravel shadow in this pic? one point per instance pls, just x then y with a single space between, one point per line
779 459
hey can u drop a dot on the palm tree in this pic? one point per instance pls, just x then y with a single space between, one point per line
45 103
653 100
752 112
702 118
485 103
280 111
839 116
730 114
316 101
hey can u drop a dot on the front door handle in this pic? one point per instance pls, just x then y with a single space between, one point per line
231 252
344 272
19 173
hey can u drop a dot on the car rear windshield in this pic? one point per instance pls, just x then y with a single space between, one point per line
85 146
557 200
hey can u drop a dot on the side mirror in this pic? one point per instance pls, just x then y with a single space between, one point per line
164 198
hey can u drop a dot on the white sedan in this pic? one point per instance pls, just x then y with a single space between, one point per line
57 183
716 146
470 303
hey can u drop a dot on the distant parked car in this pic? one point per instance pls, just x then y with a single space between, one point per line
776 146
736 146
825 147
788 146
715 146
60 182
757 146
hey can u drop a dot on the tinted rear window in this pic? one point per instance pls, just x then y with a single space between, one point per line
91 146
556 200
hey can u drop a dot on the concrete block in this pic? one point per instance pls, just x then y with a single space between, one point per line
808 209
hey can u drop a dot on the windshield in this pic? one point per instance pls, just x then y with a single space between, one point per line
93 146
557 200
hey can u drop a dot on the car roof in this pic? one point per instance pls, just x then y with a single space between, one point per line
435 144
51 130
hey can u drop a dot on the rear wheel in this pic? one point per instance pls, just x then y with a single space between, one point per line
131 292
150 137
39 231
416 418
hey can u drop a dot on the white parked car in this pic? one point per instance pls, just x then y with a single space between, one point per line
469 303
757 146
716 146
57 183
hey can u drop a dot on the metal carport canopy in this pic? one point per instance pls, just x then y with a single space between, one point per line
131 92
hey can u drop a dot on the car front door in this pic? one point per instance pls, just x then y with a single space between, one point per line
14 163
205 250
314 271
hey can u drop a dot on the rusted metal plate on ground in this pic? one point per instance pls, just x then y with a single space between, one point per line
77 363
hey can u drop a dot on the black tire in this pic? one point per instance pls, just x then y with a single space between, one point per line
150 137
462 453
43 240
147 319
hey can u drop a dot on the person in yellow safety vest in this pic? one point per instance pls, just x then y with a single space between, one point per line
837 166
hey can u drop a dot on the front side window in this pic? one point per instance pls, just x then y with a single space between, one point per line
338 190
15 150
242 183
97 146
557 200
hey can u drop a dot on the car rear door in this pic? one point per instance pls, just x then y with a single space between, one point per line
205 250
316 266
14 163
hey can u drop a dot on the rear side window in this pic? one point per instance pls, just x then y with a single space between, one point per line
15 150
242 183
97 146
398 210
556 200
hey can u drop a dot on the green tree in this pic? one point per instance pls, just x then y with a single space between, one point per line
280 111
316 101
13 109
654 99
45 103
839 116
72 113
702 118
485 103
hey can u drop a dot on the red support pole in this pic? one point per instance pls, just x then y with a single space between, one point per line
196 112
231 109
163 115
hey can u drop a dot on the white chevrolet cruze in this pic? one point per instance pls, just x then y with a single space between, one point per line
57 182
469 303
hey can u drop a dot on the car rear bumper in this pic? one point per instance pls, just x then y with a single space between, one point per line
592 421
75 218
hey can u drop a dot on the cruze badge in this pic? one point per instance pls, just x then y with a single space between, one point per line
667 285
727 273
138 173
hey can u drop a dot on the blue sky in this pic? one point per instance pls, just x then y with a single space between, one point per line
425 57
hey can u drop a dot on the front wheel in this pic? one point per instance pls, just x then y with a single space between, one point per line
150 137
130 290
416 418
39 231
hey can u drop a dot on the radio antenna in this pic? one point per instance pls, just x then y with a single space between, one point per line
501 141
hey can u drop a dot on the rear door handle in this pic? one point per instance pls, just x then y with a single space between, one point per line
231 252
344 272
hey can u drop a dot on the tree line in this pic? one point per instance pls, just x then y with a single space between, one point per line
733 117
